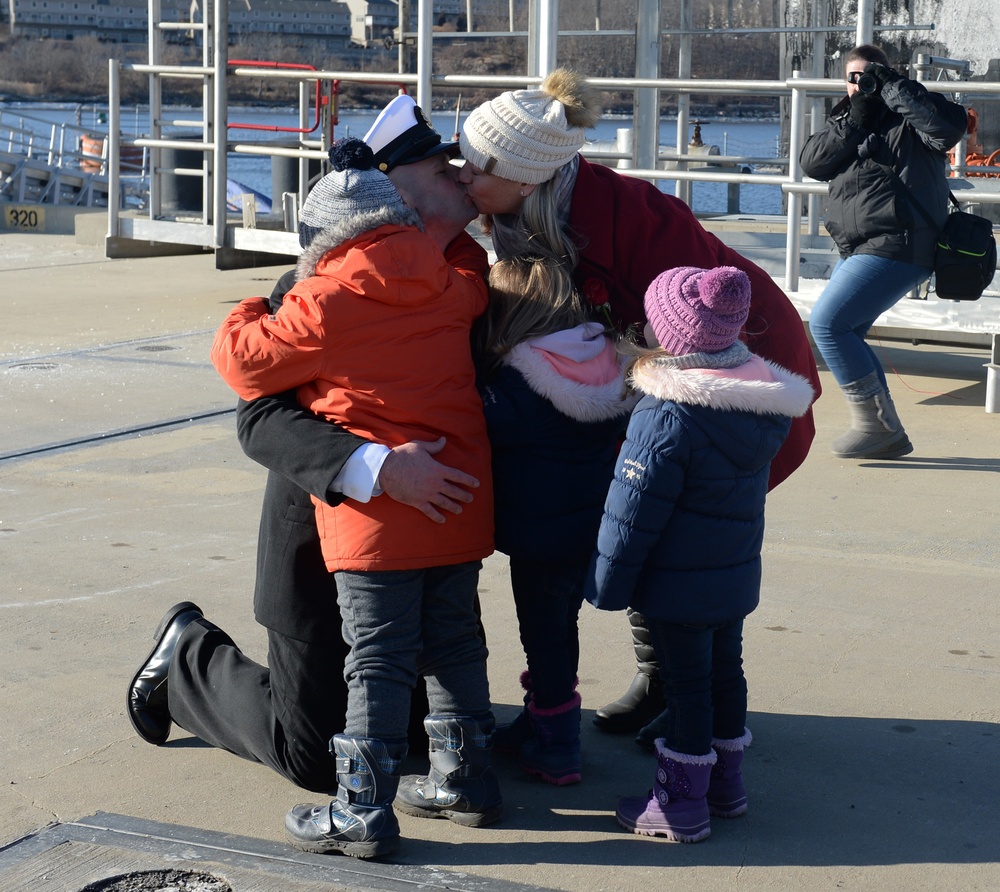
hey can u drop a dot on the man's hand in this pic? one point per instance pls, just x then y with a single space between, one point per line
410 475
882 73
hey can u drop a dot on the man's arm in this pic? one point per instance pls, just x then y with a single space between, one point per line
276 432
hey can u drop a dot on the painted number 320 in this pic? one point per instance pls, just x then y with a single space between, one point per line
24 218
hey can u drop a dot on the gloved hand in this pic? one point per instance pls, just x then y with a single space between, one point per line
882 73
866 109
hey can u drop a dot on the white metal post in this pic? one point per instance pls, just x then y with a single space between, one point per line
220 104
155 38
543 36
647 100
114 129
683 187
548 36
866 22
425 28
796 134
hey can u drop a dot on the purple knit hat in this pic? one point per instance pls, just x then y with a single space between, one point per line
695 310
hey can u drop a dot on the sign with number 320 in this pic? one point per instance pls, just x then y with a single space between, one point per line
24 217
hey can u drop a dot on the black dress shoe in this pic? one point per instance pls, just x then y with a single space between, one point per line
146 702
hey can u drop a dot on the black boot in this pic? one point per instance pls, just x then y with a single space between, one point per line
360 821
643 701
461 784
507 739
648 734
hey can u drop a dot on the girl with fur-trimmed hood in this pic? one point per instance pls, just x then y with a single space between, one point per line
680 540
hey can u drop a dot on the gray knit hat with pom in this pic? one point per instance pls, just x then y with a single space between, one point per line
353 188
527 135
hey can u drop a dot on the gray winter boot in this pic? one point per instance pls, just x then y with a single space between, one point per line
360 821
461 785
643 701
876 431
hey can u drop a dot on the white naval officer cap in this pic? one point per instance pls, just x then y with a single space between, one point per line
402 135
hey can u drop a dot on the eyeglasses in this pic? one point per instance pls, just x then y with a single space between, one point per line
854 77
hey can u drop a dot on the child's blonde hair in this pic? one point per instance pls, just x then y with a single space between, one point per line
636 354
529 297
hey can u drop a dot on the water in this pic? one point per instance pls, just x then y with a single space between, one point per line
753 138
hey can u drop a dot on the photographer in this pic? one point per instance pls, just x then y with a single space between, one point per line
886 247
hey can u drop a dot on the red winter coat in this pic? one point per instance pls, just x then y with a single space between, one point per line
629 232
377 339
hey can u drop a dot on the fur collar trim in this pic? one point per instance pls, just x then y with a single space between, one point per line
756 386
582 402
335 236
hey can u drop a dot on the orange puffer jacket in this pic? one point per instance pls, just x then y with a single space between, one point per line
377 339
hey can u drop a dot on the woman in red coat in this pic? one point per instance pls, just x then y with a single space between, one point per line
616 233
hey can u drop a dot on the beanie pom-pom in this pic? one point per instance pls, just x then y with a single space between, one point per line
351 154
580 101
725 289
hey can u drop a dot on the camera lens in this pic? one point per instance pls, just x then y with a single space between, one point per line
868 83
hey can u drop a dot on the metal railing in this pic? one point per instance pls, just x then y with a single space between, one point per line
72 155
805 99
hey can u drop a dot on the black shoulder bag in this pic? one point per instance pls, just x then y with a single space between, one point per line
965 260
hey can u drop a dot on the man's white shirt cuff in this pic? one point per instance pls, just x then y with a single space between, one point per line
358 479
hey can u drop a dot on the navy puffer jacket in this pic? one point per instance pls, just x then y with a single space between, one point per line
681 535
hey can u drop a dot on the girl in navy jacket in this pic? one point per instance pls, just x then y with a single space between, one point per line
681 535
556 408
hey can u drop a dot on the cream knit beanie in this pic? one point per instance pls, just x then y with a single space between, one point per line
527 135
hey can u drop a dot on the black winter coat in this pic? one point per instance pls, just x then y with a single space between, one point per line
867 212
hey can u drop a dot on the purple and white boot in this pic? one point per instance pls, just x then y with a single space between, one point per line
676 807
727 796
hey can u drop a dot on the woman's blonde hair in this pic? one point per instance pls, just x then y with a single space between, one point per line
529 297
536 230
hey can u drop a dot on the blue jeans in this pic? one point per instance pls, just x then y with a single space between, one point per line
703 683
401 624
547 596
860 289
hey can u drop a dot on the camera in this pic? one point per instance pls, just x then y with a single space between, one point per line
868 83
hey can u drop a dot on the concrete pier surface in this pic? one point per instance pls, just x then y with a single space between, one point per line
873 660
